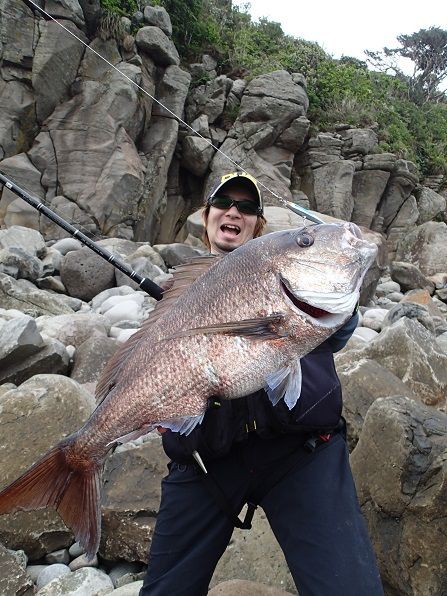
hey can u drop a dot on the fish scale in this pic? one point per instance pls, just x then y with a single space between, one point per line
240 326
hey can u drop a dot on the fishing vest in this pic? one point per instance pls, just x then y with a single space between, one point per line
227 422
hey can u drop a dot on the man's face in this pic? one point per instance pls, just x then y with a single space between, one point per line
228 228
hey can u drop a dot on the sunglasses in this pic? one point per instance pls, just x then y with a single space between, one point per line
224 202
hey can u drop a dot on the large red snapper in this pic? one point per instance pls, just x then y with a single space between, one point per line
241 325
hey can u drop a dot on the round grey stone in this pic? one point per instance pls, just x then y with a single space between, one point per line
51 572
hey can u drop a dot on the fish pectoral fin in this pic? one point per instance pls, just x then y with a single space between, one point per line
286 383
184 426
260 328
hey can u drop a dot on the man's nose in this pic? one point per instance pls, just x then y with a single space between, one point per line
233 210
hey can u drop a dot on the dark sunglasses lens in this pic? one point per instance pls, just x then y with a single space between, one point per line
247 207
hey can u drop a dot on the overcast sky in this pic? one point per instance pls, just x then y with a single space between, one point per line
349 27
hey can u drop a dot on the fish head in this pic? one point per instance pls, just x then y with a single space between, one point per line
320 270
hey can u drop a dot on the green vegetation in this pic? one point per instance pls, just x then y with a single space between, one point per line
409 113
121 7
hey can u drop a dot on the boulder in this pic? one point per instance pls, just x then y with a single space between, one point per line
79 583
25 435
156 44
85 274
19 237
373 318
22 295
243 587
93 133
196 154
322 149
73 330
363 381
399 470
13 578
269 105
425 247
66 9
409 351
411 310
16 262
69 211
18 42
403 224
409 277
208 100
51 572
430 204
177 253
358 141
255 556
131 496
91 357
19 339
158 17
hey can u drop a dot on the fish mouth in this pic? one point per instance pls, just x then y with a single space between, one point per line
312 312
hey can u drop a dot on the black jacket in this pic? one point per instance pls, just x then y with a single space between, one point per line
228 421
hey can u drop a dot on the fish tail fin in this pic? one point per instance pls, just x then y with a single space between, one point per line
73 492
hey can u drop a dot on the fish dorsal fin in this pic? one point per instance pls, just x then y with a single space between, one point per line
184 276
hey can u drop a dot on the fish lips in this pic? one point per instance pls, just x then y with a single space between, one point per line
311 308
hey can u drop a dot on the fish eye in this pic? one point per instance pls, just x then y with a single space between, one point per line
305 240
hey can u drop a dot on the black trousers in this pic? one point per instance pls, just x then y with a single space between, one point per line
313 512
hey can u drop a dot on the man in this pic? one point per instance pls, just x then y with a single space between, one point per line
293 463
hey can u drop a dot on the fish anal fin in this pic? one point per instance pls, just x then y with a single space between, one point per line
285 383
183 277
258 328
134 435
75 494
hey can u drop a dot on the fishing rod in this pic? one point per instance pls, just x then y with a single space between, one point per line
145 283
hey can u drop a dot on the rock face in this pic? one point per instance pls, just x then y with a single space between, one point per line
140 177
402 492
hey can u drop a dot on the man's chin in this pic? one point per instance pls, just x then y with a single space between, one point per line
226 245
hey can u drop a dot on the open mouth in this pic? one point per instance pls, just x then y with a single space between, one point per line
312 311
230 229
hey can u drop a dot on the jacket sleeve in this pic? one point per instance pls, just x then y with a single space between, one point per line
340 338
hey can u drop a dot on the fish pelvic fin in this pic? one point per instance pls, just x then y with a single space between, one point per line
74 493
285 383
